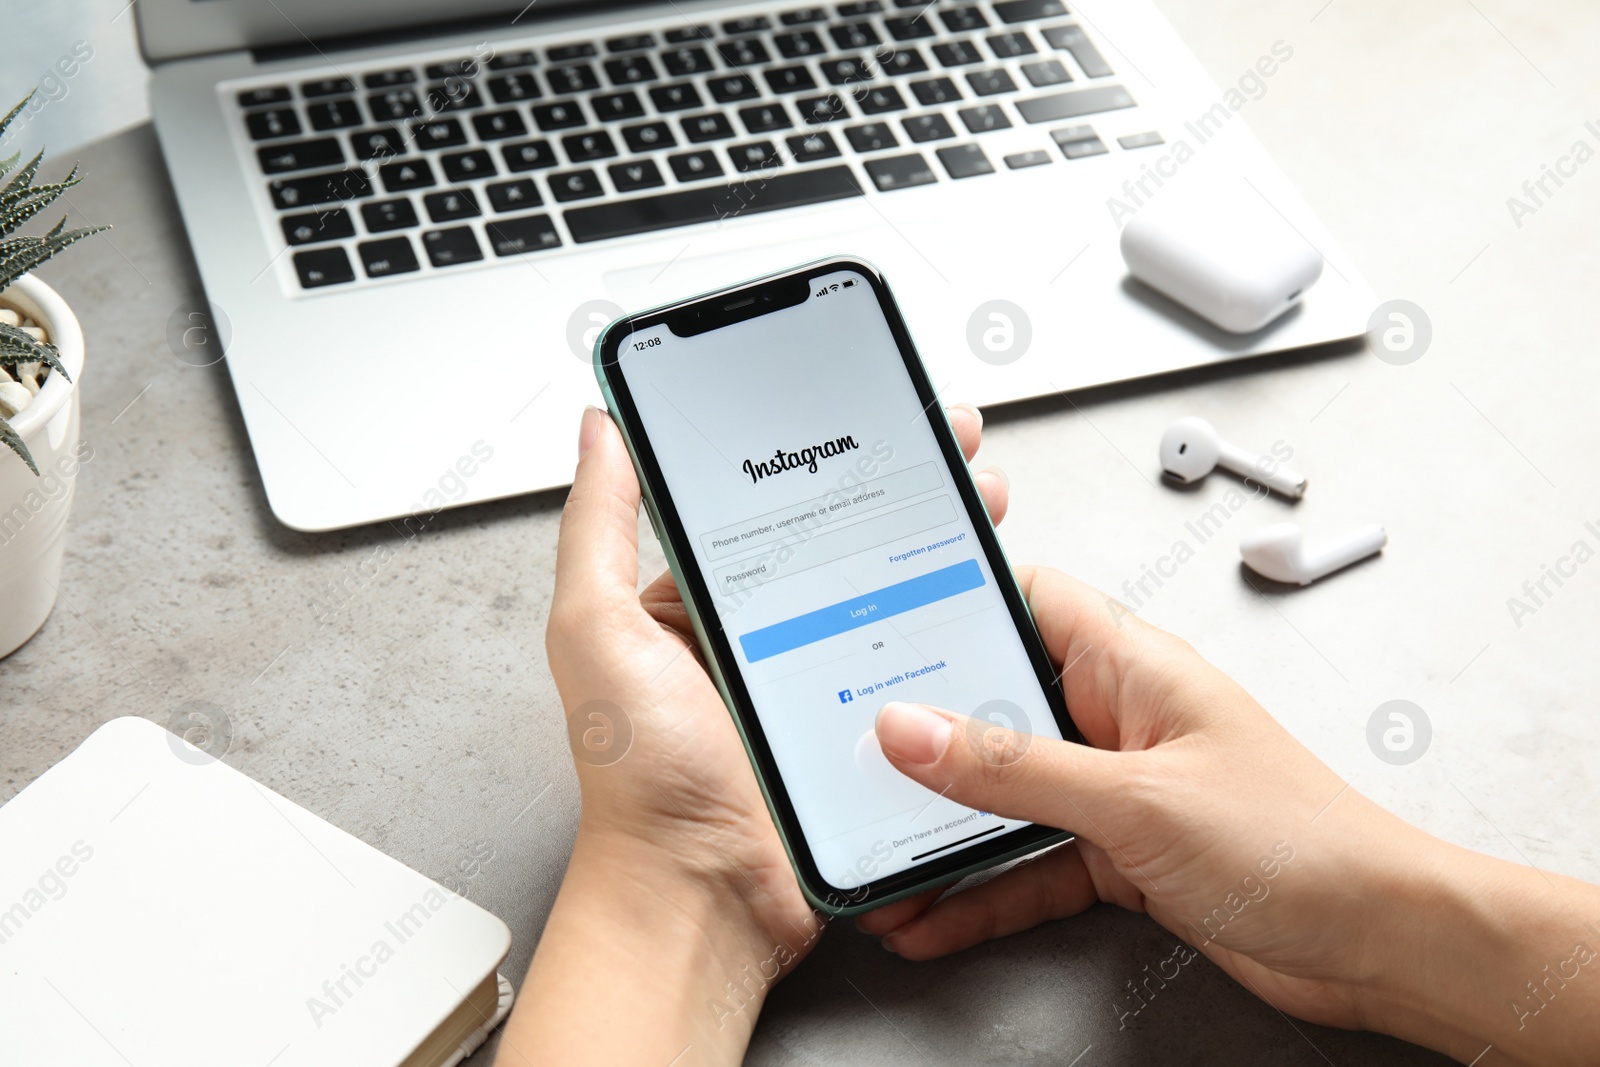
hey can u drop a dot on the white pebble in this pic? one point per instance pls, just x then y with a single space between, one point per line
14 396
36 332
9 317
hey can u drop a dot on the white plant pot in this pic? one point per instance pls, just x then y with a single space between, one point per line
33 509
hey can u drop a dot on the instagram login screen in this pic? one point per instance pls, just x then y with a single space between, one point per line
844 569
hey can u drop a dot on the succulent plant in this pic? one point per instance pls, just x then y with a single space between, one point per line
20 200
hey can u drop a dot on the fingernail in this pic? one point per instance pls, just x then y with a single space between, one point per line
912 733
888 944
588 430
1001 474
975 412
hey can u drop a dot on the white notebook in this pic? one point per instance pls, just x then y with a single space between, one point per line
160 909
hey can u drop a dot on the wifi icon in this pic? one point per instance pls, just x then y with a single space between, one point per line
834 287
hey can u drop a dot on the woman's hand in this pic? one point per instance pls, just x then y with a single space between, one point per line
679 908
1195 806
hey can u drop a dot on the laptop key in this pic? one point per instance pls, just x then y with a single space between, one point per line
406 174
857 8
494 125
765 117
450 205
964 161
1045 73
383 142
877 101
639 174
684 34
1072 39
266 94
899 172
682 62
300 155
693 166
748 24
710 203
273 122
326 87
730 88
796 79
574 79
583 147
905 60
1141 140
1034 158
854 36
323 266
514 237
385 79
935 91
956 53
467 166
511 88
990 82
677 97
511 60
610 107
440 133
575 185
984 117
1011 11
810 147
963 19
1079 142
927 128
633 42
802 16
314 226
630 70
745 52
446 248
395 104
648 136
909 27
334 114
315 189
563 115
701 128
798 44
871 137
819 109
1071 104
846 71
465 67
519 194
565 53
457 94
528 155
758 155
392 255
1011 45
383 215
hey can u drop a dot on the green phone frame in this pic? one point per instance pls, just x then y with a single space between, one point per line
827 898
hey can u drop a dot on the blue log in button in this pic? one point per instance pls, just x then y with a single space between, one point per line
860 611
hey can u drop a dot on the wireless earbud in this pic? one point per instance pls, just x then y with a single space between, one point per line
1279 552
1191 449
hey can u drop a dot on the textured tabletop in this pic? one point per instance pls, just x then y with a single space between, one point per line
397 686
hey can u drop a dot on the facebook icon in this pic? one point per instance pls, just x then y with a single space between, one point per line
845 697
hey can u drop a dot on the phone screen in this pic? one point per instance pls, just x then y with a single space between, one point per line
834 545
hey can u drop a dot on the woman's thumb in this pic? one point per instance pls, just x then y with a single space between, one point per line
992 768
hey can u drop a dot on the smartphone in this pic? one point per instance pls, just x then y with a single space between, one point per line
834 555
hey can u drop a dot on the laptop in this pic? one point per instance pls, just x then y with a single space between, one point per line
412 218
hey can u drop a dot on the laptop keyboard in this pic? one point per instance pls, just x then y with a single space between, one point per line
375 173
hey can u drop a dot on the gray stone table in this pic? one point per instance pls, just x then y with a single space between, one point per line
417 712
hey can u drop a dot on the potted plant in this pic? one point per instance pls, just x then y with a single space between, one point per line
41 360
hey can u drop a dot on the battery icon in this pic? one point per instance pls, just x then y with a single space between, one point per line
848 282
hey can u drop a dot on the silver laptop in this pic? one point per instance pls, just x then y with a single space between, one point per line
414 227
